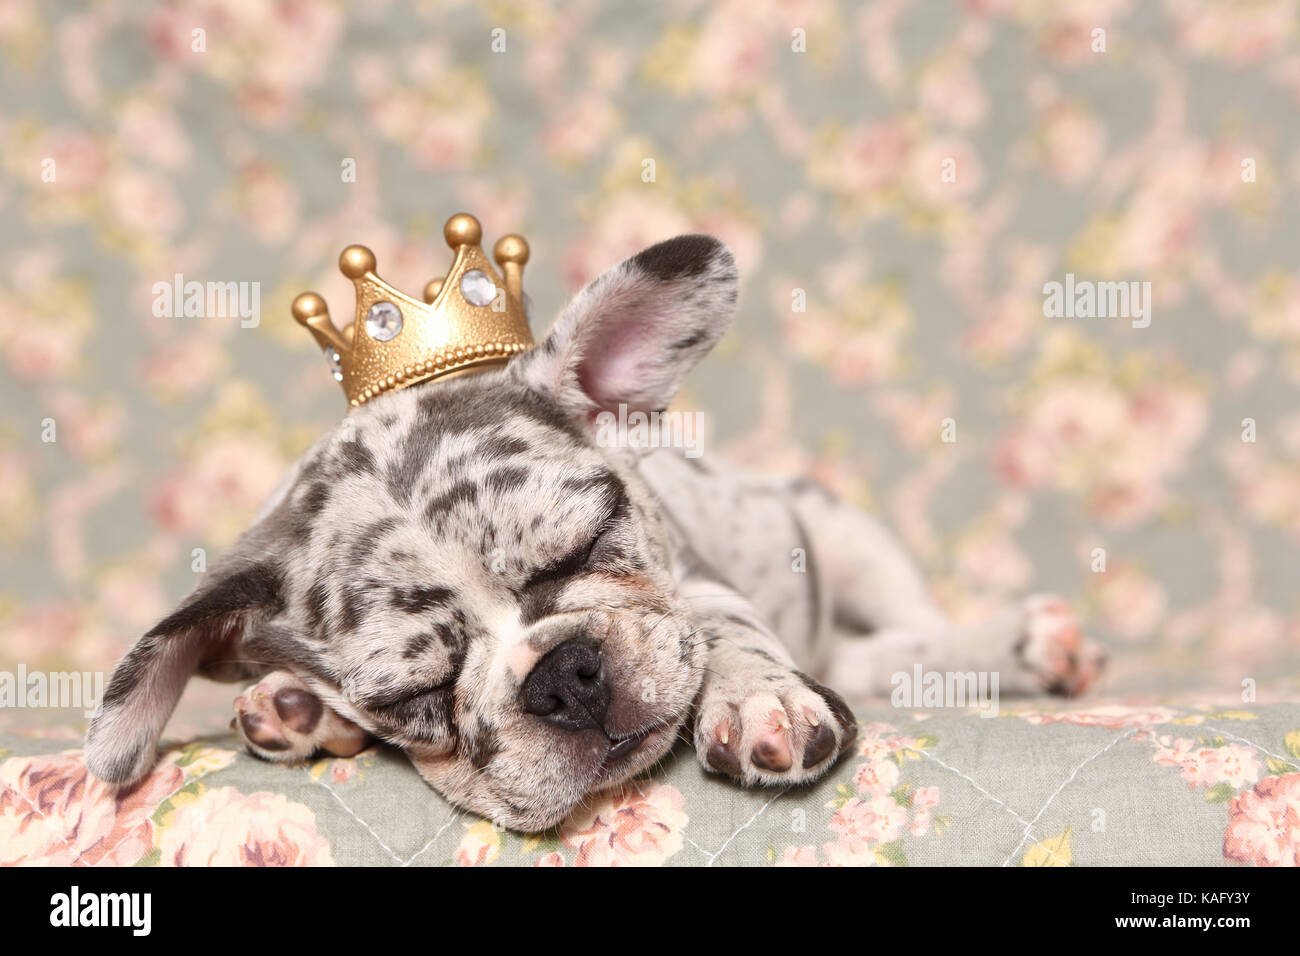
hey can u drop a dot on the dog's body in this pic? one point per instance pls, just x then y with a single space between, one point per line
460 569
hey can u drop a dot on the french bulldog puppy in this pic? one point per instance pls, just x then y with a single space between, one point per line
463 570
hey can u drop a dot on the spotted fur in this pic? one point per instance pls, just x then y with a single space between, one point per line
421 565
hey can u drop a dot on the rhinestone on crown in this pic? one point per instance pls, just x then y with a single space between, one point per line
383 321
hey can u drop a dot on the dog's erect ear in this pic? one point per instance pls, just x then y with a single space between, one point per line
633 333
206 634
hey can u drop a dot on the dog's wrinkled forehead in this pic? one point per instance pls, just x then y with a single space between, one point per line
489 469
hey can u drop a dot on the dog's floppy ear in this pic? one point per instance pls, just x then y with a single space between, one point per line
206 633
633 333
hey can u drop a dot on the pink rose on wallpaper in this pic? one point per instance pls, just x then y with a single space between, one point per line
1077 413
913 415
49 629
639 824
952 92
1169 418
1064 28
1267 487
925 798
447 140
267 52
54 813
991 561
944 170
1249 635
1004 327
873 157
144 204
798 856
37 349
1274 308
183 366
580 129
1204 766
17 494
92 427
1072 142
1264 823
81 159
227 481
1086 434
851 852
629 223
876 777
1111 716
1131 602
877 820
1159 227
130 594
1241 34
224 827
150 130
480 845
268 202
733 49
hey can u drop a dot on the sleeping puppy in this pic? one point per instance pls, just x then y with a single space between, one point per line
465 571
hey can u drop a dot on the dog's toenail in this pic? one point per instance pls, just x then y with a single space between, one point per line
821 746
850 735
299 709
723 760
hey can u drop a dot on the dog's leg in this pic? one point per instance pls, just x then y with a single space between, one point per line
759 719
1035 647
279 719
876 590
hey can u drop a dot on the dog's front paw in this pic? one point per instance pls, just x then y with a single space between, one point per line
772 726
1054 649
280 719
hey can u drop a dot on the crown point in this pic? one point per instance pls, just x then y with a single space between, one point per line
307 306
431 290
462 229
510 248
356 261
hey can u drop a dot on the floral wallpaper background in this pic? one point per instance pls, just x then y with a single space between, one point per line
813 137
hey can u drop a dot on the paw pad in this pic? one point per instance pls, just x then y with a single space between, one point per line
767 732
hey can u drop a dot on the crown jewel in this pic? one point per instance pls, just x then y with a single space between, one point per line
473 317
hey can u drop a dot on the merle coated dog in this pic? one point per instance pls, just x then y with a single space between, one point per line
463 571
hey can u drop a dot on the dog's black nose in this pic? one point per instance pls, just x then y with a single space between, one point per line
568 686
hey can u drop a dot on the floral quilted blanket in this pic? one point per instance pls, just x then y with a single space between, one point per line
1105 783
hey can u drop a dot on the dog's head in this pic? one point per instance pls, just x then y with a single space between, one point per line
462 570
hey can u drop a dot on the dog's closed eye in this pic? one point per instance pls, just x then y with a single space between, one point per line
424 711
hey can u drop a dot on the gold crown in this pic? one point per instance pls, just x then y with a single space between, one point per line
469 319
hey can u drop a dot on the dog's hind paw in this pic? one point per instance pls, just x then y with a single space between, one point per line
280 719
1054 649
